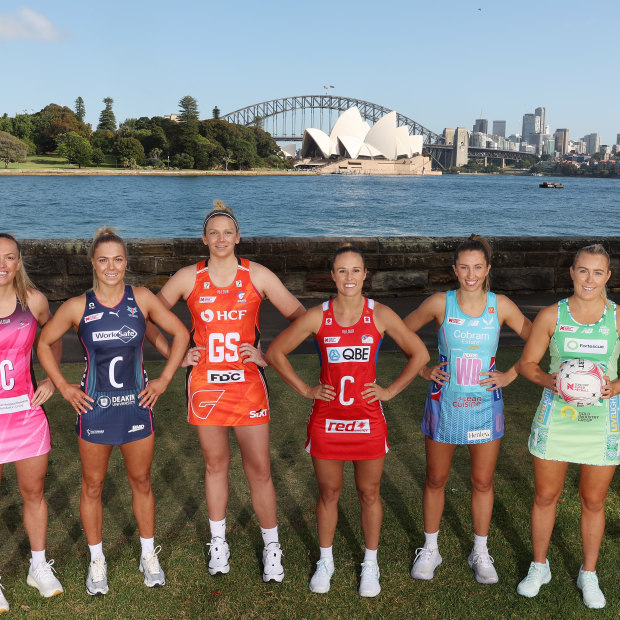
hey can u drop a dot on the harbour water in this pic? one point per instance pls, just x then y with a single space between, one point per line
296 206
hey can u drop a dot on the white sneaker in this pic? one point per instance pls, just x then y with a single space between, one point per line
97 578
153 573
42 578
587 582
320 582
4 604
482 564
369 581
427 559
537 575
272 563
218 556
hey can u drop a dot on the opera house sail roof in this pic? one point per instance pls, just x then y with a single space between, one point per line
353 137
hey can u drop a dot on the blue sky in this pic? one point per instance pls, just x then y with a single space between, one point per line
441 63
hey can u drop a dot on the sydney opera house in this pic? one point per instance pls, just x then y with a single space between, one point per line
355 146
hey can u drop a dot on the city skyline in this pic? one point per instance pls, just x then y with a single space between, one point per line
146 56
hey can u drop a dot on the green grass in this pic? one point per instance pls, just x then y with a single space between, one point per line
43 162
182 526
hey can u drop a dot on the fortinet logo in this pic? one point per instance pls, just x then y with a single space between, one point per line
347 426
223 376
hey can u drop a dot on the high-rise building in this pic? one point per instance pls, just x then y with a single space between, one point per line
593 143
561 141
618 138
531 126
541 113
481 125
499 128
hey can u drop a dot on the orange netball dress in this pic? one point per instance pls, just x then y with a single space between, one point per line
221 389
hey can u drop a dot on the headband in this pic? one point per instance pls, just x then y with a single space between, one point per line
216 213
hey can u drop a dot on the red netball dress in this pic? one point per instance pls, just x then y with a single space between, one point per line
347 428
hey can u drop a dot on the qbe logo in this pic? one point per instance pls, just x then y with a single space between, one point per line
340 355
225 376
347 426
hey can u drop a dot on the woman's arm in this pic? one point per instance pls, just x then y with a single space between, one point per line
39 306
66 317
304 327
154 310
536 346
507 313
386 320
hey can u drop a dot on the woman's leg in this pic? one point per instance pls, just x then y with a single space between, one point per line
216 452
138 457
94 459
31 479
329 479
368 482
483 461
593 485
438 462
549 482
254 446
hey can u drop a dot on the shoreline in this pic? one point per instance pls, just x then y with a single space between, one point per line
165 173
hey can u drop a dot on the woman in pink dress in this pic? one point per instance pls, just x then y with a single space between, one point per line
24 430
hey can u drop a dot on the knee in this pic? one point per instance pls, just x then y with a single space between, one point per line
258 473
141 483
217 466
32 493
436 481
369 495
544 499
592 503
92 488
329 494
482 485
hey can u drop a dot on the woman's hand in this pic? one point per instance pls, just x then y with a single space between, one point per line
320 392
79 400
154 389
436 373
610 388
45 389
375 392
192 357
249 353
496 380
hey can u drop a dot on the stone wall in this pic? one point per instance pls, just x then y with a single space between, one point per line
396 265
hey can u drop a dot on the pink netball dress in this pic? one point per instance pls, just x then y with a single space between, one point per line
24 431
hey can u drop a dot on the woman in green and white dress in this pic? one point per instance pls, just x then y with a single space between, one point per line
585 325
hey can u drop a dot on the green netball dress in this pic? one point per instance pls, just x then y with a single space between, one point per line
587 435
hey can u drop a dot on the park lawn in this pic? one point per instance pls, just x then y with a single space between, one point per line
182 525
41 162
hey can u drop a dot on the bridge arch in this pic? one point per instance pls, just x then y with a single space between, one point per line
371 112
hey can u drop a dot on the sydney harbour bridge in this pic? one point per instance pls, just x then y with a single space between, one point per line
286 118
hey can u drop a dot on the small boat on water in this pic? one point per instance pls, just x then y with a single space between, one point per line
549 185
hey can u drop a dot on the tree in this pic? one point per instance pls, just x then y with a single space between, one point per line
107 120
98 157
11 148
80 109
75 148
188 110
183 161
216 112
52 121
130 152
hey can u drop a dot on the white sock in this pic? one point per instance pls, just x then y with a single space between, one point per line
480 542
431 539
326 553
148 545
370 555
96 551
38 557
269 535
218 528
